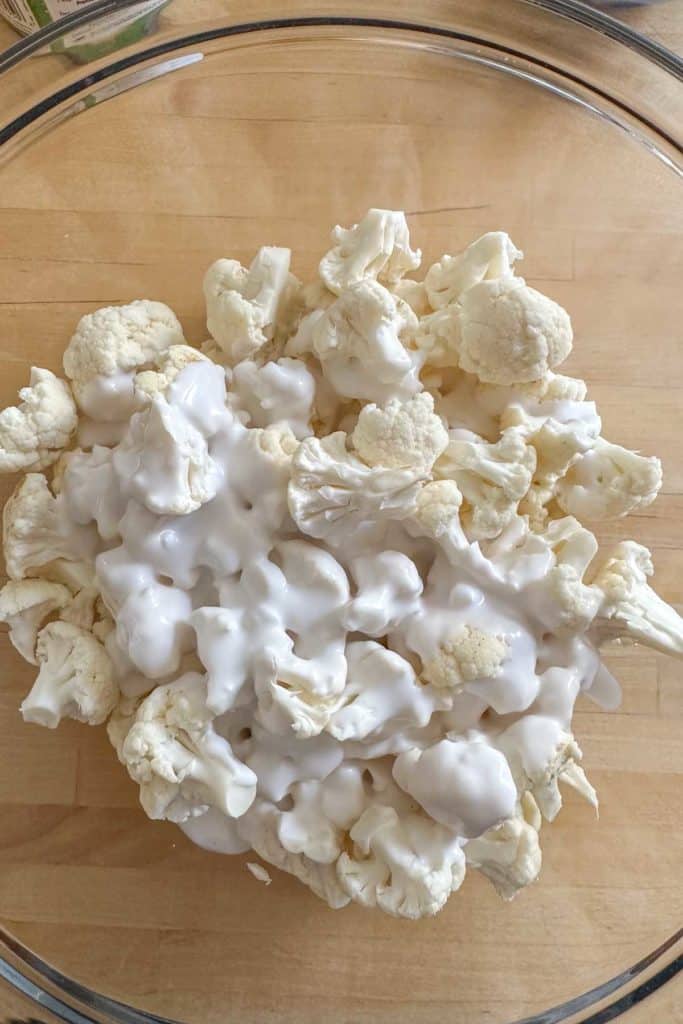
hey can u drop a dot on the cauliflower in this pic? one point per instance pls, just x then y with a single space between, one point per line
541 754
75 679
609 481
259 827
181 764
108 346
36 531
33 434
464 784
243 307
437 509
25 605
510 333
402 435
408 866
492 478
165 461
332 493
381 688
378 248
321 814
629 607
278 392
509 854
92 490
560 599
361 341
388 588
489 257
468 655
169 363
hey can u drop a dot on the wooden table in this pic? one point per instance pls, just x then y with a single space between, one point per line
128 905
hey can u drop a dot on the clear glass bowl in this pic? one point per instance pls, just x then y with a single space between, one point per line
240 123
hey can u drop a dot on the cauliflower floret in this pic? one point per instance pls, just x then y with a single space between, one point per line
388 588
492 478
489 257
322 812
541 754
33 433
464 784
108 346
243 306
76 678
402 435
259 826
407 866
468 655
629 607
509 333
608 482
509 854
282 391
92 490
560 600
437 509
24 606
182 765
36 531
170 363
381 687
378 248
332 493
164 461
361 341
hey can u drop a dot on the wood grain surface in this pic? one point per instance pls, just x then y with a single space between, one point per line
134 199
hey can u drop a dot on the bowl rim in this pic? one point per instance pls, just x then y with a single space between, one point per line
574 10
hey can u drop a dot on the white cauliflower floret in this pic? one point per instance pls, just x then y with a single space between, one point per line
388 589
508 854
277 392
92 491
259 827
469 654
378 248
510 333
361 341
403 435
76 678
608 482
489 257
182 765
561 600
407 866
33 434
243 306
381 687
36 532
437 509
165 463
542 754
170 363
108 346
629 607
492 478
464 784
321 814
25 605
332 493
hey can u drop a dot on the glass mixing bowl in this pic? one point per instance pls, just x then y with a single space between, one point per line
239 123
